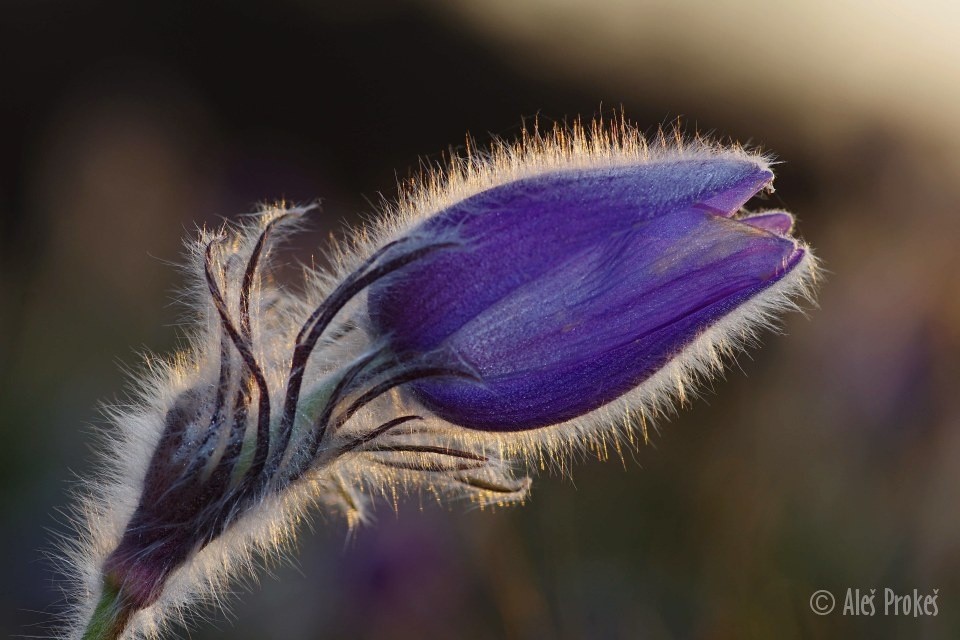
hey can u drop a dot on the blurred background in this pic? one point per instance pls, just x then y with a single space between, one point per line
827 460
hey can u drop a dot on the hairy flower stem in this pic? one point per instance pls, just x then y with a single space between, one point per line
110 617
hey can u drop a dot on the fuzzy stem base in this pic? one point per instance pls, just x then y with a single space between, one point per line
110 617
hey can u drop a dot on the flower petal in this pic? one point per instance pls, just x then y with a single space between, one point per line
778 222
514 233
600 324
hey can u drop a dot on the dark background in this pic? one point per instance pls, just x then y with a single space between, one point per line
826 459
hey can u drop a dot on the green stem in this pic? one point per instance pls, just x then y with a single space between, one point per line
110 617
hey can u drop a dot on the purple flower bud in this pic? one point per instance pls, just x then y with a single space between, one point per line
569 289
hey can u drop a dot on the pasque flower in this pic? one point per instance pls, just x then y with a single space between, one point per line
545 296
564 291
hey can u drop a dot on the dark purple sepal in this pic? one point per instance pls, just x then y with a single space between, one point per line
182 507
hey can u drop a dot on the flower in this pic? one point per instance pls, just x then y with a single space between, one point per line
526 302
567 290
